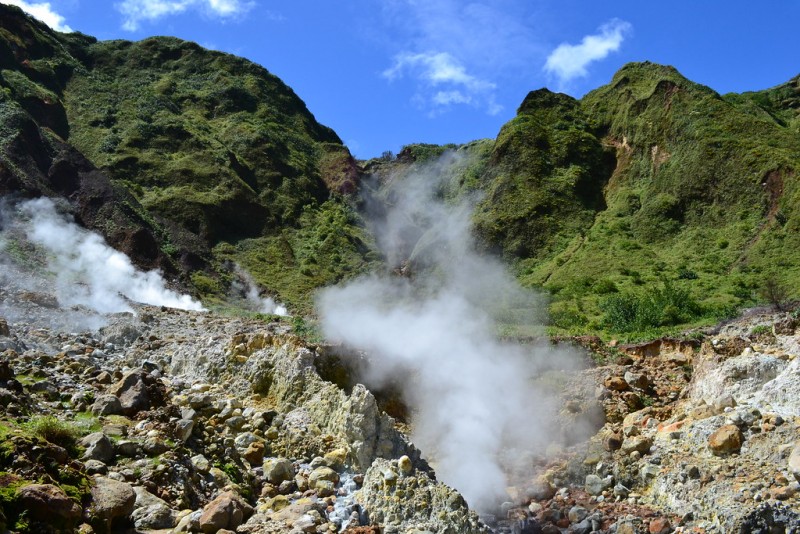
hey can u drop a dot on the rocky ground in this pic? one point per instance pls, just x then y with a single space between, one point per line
173 421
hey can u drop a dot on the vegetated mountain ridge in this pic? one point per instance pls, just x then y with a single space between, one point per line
703 195
184 158
649 189
652 201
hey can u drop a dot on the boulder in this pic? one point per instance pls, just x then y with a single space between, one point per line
637 380
4 330
276 470
138 391
98 447
727 439
49 504
111 500
150 512
594 485
323 480
254 453
616 383
6 372
227 511
183 429
415 503
794 461
641 444
107 405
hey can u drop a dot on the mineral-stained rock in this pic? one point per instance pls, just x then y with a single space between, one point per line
111 500
4 330
616 383
641 444
228 510
322 473
660 525
725 440
254 453
415 503
277 470
49 504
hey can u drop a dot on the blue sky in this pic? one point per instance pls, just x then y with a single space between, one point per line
385 73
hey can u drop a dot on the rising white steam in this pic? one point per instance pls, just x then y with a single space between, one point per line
245 286
433 333
87 271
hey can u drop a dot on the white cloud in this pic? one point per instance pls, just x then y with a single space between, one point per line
447 77
138 11
568 62
42 11
460 52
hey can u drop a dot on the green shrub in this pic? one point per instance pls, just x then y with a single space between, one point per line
653 307
761 330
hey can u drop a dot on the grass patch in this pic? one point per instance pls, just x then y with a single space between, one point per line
58 432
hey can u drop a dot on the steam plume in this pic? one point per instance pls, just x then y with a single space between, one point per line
434 333
245 286
87 271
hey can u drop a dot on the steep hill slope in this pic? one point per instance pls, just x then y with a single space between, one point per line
651 202
213 155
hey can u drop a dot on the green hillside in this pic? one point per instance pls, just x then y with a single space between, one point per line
221 158
649 204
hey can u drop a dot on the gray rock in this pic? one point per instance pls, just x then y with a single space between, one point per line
637 380
107 405
155 445
98 447
277 470
120 334
183 429
648 472
95 467
577 514
47 389
245 439
595 485
582 527
150 512
201 463
111 500
794 461
188 413
133 393
128 449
